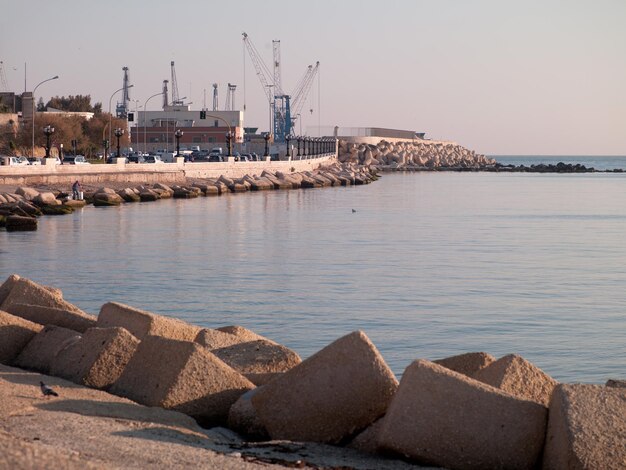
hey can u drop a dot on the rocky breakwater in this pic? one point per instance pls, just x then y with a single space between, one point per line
20 209
417 155
471 411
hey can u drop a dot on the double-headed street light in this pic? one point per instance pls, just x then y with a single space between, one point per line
118 133
48 130
32 152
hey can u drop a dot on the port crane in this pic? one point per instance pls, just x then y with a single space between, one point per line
281 102
215 101
176 101
230 97
121 110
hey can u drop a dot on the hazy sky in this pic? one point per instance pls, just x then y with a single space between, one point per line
498 76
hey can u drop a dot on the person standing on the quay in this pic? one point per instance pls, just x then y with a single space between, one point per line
76 190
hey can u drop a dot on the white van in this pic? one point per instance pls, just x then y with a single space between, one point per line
14 161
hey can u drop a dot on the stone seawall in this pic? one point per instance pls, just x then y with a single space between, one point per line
151 173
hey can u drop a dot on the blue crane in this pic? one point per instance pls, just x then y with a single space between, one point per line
280 101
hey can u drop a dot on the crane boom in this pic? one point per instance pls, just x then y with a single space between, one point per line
259 66
278 86
300 98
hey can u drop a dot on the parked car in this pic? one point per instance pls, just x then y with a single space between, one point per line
217 151
136 159
75 160
215 158
153 159
34 160
110 159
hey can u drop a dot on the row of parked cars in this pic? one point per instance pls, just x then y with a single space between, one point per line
25 161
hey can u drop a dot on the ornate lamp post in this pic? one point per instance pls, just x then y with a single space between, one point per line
299 139
267 148
229 139
48 130
118 133
287 137
178 134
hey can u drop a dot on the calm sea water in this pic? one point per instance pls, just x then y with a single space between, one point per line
429 265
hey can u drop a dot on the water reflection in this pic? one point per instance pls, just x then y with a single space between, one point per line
429 265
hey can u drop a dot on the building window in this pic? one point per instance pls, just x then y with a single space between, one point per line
211 139
215 123
196 139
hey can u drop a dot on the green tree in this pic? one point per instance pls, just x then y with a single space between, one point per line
78 103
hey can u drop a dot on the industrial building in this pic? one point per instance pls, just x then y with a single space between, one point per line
154 130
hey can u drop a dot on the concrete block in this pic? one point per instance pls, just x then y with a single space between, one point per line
215 339
42 350
15 333
97 359
330 396
468 363
243 334
367 441
7 286
72 320
26 293
181 376
243 418
441 417
141 323
259 361
515 375
586 428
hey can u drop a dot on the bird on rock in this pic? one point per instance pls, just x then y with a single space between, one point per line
47 391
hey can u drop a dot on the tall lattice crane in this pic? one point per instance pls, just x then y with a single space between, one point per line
176 101
215 101
230 97
121 110
277 98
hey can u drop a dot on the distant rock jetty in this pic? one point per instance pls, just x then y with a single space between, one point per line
471 411
418 155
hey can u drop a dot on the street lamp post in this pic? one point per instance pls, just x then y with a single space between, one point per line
32 152
145 110
118 133
178 134
229 138
287 137
111 115
299 139
48 130
267 140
